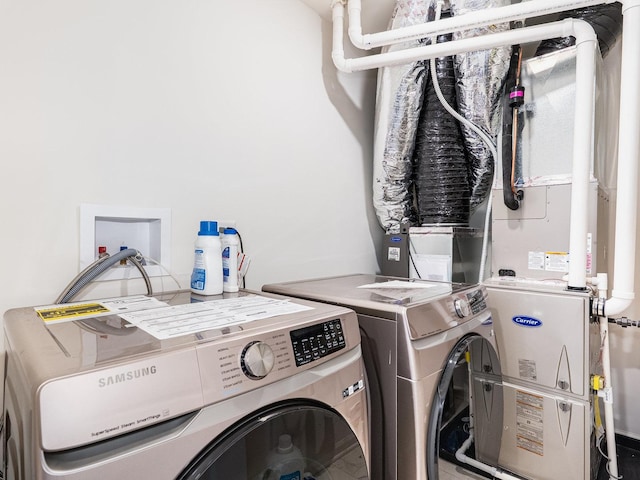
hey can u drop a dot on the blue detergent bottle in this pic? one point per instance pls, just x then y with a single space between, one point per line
285 462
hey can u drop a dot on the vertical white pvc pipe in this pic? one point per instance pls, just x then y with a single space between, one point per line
627 191
609 428
582 153
628 153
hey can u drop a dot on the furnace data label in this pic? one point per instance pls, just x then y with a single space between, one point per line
529 422
527 369
393 254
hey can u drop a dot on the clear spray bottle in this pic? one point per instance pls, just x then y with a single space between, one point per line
230 243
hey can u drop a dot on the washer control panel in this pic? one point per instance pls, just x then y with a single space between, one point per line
317 341
248 360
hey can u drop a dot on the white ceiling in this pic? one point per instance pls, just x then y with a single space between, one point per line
375 13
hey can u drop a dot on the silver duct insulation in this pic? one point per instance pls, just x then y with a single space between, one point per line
398 103
480 80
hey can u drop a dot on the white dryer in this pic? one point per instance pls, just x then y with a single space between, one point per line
259 394
429 350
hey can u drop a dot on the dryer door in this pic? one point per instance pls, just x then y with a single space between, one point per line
469 397
295 440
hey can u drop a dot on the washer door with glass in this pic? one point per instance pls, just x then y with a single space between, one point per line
294 440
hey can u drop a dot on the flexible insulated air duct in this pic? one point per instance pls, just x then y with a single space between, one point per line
398 103
606 21
441 173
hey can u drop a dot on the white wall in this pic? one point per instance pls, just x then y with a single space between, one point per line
214 109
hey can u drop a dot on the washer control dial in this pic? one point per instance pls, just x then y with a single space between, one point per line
257 360
462 307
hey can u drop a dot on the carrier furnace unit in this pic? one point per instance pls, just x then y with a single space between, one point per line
547 340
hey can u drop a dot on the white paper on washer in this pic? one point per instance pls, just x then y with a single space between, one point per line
177 320
402 290
399 284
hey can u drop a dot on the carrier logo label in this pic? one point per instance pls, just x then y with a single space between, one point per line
525 321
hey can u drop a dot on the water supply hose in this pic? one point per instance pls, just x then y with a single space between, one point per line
99 266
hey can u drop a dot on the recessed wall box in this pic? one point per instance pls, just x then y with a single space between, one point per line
145 229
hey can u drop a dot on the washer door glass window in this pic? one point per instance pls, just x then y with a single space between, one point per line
287 441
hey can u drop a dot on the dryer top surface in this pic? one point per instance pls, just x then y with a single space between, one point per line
376 295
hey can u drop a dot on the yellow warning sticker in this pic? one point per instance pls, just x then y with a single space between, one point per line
65 312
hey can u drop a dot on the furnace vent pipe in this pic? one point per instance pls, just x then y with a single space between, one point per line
570 27
586 43
475 19
622 294
583 138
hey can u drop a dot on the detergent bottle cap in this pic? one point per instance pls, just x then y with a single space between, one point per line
230 231
285 445
208 228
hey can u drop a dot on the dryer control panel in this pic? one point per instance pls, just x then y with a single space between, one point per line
472 303
317 341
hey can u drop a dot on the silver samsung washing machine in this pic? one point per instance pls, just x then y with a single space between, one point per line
240 386
432 366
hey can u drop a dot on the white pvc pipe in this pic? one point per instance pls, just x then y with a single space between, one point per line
475 19
609 428
493 471
586 43
535 33
622 294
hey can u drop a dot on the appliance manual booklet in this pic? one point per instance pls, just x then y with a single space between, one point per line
164 321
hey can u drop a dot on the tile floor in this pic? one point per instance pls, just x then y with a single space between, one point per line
628 462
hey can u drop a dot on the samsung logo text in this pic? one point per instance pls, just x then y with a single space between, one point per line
126 376
525 321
